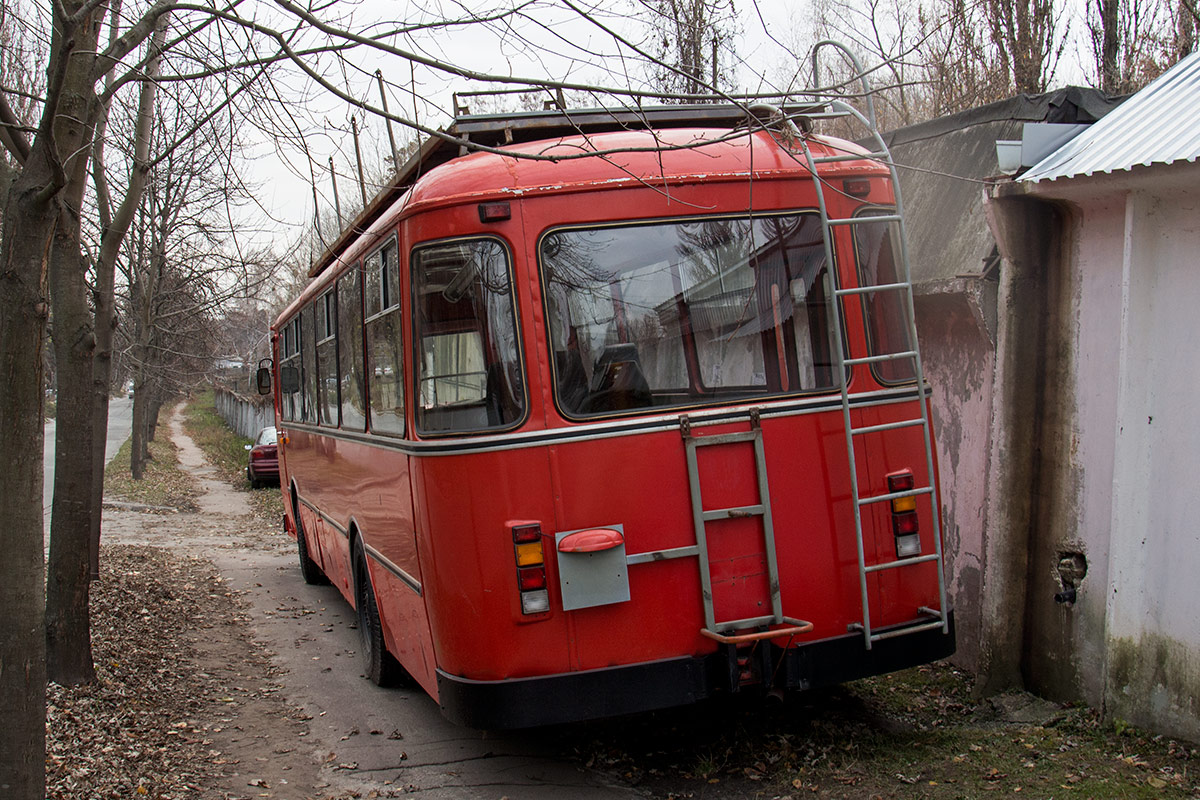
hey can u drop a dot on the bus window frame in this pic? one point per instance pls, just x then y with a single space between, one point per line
325 302
354 276
864 213
833 269
291 354
415 354
395 307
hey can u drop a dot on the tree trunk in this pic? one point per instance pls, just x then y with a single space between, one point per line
155 406
101 393
29 220
27 225
137 443
1110 45
68 578
68 624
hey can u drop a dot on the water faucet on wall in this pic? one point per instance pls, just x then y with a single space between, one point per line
1072 567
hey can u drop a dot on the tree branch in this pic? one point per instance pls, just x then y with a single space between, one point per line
132 38
12 132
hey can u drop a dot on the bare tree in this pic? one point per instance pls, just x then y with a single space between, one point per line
690 36
1134 41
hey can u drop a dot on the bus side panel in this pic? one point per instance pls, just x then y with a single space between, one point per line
469 563
319 470
380 504
297 467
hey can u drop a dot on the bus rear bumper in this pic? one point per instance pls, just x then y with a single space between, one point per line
593 694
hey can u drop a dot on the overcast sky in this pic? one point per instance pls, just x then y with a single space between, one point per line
551 42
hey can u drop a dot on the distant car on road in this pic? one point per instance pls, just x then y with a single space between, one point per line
263 464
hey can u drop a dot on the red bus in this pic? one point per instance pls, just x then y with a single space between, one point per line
585 436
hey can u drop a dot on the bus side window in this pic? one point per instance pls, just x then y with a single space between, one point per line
327 364
886 312
468 356
289 357
350 355
307 410
385 361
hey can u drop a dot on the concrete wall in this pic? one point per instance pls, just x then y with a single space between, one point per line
1121 449
245 415
958 361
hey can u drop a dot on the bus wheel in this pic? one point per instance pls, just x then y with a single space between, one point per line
308 568
381 666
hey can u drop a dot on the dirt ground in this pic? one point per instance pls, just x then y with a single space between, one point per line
196 700
186 703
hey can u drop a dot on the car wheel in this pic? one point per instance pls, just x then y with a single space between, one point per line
380 666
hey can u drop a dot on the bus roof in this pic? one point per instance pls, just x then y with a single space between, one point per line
601 129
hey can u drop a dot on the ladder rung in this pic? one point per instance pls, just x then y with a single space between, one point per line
662 555
905 562
892 634
884 357
738 512
865 219
882 156
875 287
879 498
728 625
701 440
887 426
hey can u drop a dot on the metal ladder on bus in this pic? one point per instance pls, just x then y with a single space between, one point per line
926 618
767 626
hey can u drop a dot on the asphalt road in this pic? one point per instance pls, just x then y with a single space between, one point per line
120 424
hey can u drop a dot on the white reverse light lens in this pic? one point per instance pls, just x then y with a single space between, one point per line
908 546
535 602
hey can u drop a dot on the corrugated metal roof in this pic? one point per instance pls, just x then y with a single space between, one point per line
1158 125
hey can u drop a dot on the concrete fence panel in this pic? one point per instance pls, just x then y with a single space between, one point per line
244 415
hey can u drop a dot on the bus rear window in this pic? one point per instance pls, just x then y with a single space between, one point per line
468 355
689 312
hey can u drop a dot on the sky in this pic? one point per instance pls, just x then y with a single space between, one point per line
552 41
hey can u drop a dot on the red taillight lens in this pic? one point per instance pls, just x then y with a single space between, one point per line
856 187
527 534
495 212
530 578
905 523
255 455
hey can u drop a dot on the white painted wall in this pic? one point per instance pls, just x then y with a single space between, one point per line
1135 270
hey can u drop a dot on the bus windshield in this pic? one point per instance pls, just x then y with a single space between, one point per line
686 312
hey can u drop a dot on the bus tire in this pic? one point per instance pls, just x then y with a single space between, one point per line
311 572
380 666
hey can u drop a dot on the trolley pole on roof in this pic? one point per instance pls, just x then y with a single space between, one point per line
388 121
337 203
362 182
316 222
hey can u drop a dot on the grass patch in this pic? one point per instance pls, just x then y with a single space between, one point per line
226 451
163 482
914 734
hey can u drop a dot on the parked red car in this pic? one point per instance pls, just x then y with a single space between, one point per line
263 465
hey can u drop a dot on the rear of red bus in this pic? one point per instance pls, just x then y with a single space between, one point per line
632 483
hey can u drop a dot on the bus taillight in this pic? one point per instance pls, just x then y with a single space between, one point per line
904 514
531 568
